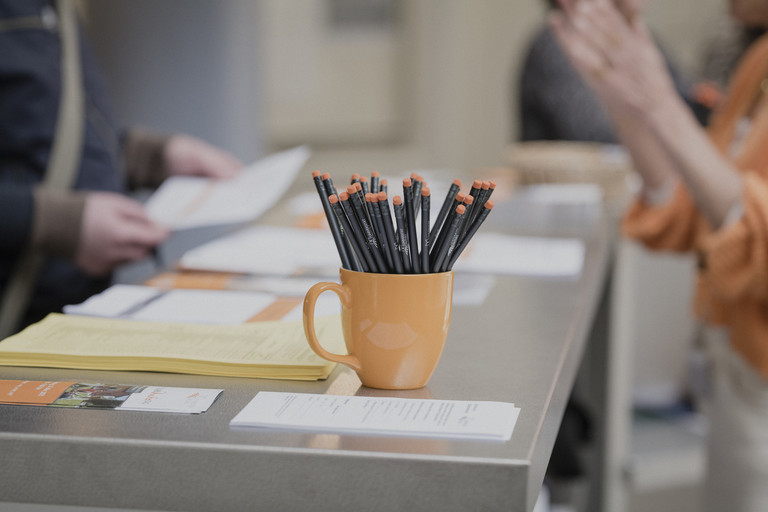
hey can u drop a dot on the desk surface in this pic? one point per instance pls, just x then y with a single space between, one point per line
523 345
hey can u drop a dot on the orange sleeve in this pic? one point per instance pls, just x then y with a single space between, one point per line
672 226
737 256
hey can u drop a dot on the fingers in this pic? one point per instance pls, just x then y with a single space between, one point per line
189 156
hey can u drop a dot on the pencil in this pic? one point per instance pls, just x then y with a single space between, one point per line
487 207
418 184
361 247
384 187
425 204
328 184
377 247
358 262
373 245
469 201
364 185
449 197
338 239
381 232
402 234
386 218
439 260
375 182
411 225
441 237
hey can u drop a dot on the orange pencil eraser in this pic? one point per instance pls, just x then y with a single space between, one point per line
457 182
315 174
477 184
351 189
358 186
489 204
492 184
326 175
397 200
406 182
344 196
469 200
461 209
382 196
375 174
486 185
460 197
383 182
333 199
374 197
355 177
425 191
363 179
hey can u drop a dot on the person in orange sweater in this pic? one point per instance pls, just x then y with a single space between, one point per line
706 192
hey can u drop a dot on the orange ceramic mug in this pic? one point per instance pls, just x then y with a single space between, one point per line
394 325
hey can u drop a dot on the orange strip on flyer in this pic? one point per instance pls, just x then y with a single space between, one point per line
31 391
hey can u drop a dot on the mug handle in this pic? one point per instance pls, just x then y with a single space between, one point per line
309 323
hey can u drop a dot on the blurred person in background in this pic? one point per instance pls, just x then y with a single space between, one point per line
65 167
705 192
556 104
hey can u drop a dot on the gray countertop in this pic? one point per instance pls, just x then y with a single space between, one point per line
523 345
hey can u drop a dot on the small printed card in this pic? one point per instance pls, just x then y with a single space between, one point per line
107 396
380 416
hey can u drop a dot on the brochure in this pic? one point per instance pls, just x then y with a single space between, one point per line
122 397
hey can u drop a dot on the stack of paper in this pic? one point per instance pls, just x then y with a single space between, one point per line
276 350
381 416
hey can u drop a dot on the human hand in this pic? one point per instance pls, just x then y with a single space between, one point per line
189 156
614 54
115 230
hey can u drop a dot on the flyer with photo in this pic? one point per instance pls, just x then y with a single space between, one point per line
107 396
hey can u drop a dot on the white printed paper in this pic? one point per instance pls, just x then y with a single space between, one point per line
382 416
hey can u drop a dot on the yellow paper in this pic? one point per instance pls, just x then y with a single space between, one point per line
276 350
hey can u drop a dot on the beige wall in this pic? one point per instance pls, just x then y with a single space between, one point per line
448 80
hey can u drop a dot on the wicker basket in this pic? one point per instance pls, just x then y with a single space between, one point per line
572 162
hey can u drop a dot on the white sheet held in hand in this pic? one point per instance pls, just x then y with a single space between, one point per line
187 202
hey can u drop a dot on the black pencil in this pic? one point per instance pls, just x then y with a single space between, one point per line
487 207
449 197
443 234
386 218
384 186
378 222
338 239
373 245
439 260
425 205
364 185
403 244
344 222
362 245
411 225
328 184
375 177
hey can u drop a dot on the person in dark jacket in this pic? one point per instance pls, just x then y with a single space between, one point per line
85 232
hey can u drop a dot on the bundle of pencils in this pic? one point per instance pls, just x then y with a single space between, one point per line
368 240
